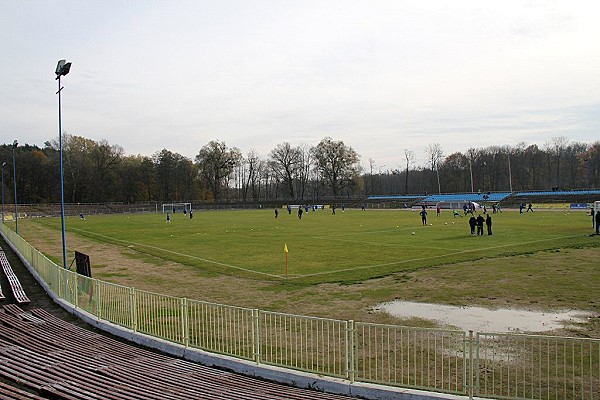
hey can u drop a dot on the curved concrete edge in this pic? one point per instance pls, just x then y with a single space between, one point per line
267 372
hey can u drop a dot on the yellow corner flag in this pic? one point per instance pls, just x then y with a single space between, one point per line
285 250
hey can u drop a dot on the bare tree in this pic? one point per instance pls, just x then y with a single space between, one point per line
337 164
285 162
371 166
105 157
216 162
252 164
471 157
435 155
556 147
409 156
304 169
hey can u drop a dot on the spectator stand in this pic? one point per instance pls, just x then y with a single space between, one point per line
54 359
479 198
554 199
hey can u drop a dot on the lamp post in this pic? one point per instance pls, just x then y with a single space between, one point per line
3 165
62 69
381 183
15 144
471 171
509 174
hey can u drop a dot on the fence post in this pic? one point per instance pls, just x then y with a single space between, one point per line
64 286
350 350
98 295
185 331
256 334
471 391
76 289
133 310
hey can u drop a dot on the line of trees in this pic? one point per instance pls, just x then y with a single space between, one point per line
101 172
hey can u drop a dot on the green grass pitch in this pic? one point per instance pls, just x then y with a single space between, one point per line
347 247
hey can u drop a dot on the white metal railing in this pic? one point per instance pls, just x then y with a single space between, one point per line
222 329
536 367
503 366
411 357
304 343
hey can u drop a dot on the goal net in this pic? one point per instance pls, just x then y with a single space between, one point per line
176 207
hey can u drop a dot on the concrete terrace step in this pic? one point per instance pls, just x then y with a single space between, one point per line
51 357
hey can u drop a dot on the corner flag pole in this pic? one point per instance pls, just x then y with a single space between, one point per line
285 250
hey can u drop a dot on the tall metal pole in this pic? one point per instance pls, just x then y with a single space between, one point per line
471 171
15 186
3 165
62 190
509 174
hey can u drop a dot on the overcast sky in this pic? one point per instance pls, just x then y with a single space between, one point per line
382 76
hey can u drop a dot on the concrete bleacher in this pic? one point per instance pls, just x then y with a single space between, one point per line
52 358
558 193
448 197
395 197
493 197
554 197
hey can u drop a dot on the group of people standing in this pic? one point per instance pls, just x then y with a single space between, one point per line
478 223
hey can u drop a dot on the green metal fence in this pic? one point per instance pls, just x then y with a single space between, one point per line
502 366
431 359
312 344
536 367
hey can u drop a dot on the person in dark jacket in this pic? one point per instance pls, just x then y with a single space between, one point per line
480 222
472 224
488 223
423 215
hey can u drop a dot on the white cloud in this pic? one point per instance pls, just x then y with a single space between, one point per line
380 75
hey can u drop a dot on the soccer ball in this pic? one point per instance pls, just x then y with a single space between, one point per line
445 223
414 233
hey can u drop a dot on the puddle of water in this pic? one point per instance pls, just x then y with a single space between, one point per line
481 319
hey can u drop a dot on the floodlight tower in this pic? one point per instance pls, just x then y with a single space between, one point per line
15 144
3 165
62 68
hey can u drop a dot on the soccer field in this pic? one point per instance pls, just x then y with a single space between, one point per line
347 247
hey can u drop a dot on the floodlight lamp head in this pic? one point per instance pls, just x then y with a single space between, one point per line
3 164
15 144
59 66
62 68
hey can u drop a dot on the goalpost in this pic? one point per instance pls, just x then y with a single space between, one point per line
175 207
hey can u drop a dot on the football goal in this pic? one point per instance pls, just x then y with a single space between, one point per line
176 207
596 209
